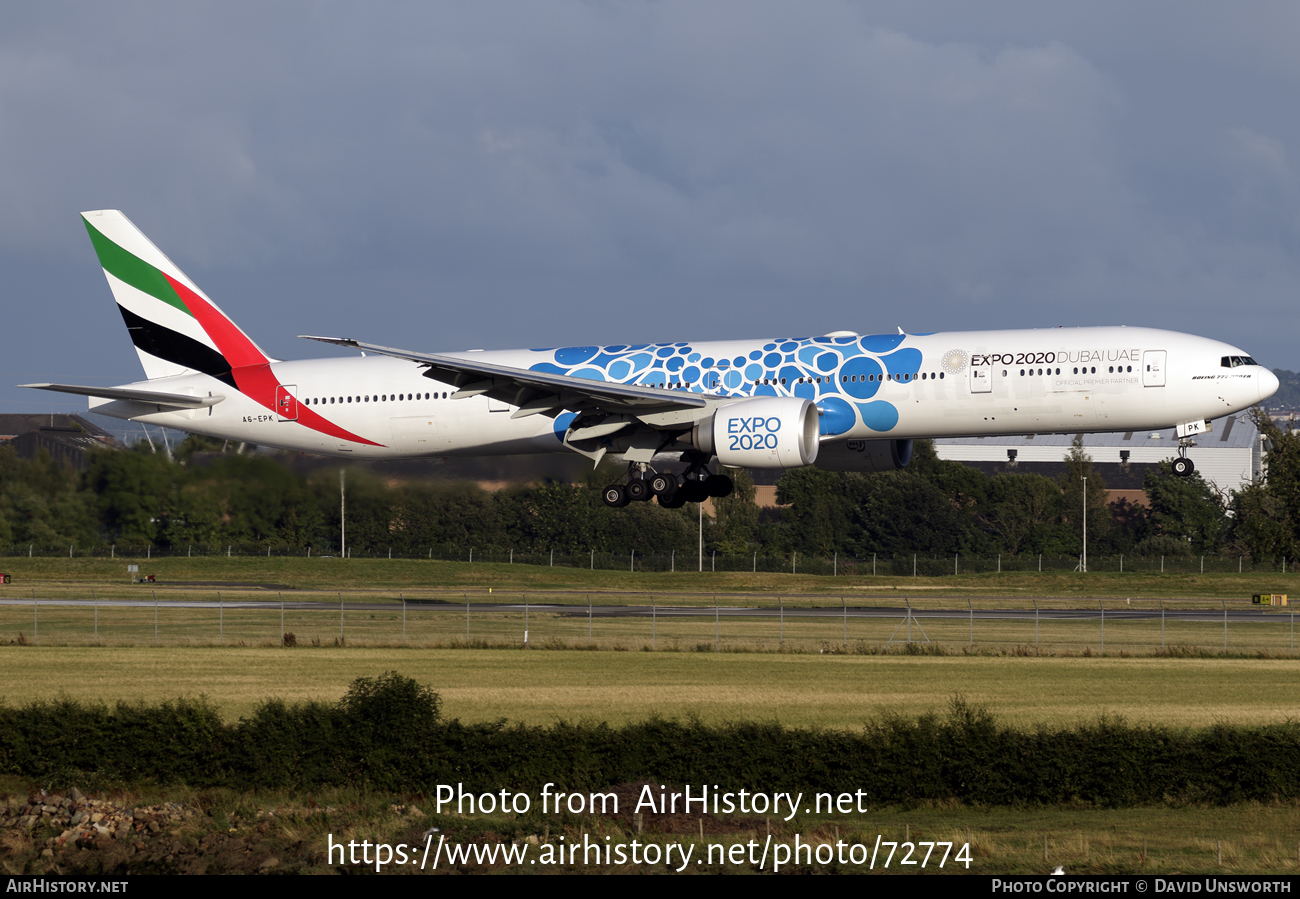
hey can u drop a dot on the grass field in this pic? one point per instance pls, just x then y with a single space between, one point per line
418 577
233 658
540 687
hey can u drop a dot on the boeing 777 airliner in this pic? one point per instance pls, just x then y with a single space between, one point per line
842 401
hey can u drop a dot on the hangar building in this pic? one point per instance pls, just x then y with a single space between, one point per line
1229 456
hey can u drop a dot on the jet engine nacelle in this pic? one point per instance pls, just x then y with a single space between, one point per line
865 455
764 432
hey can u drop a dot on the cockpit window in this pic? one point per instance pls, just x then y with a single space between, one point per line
1235 361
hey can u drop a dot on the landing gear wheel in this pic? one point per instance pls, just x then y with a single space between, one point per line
693 492
615 496
663 485
1183 466
637 491
676 501
718 485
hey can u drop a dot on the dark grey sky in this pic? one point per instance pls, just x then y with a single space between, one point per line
456 175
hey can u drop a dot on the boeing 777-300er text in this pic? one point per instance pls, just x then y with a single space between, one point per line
842 401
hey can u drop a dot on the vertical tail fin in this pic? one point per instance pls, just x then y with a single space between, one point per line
174 326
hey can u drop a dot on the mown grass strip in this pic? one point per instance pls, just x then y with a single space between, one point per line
803 690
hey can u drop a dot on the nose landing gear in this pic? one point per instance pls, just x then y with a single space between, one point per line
1183 466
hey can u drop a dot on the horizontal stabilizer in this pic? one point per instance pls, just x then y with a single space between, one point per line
131 394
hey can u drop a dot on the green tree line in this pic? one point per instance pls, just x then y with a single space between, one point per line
137 497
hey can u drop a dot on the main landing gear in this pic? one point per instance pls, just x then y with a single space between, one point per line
1183 466
674 491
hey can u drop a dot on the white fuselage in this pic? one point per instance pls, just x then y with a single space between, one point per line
938 385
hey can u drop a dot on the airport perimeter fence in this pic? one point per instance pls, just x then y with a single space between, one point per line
922 564
867 625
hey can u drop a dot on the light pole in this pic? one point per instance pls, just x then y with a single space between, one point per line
343 515
1085 524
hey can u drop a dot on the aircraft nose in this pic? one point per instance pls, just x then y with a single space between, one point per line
1268 384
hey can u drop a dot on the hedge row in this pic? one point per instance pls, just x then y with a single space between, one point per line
388 733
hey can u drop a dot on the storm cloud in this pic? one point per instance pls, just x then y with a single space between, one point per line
447 176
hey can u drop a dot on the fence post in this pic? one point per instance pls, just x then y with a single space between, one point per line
654 622
781 603
955 557
717 624
755 562
466 617
471 555
96 601
525 619
873 564
340 617
631 565
794 562
402 597
913 564
593 560
36 619
588 616
552 558
155 617
221 619
1225 625
714 562
1162 625
835 566
1040 563
1035 624
972 622
999 563
1103 626
846 622
1121 563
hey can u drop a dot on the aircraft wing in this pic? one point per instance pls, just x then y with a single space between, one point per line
537 392
132 394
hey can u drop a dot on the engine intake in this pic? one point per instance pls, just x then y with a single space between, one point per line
764 432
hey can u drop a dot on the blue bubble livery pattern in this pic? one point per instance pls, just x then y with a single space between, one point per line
852 370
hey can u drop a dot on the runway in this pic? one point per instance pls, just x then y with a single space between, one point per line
1170 612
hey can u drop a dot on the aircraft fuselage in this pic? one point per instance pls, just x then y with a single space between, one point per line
975 383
